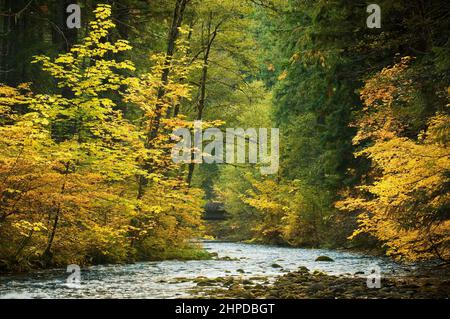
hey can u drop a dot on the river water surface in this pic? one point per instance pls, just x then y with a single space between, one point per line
174 279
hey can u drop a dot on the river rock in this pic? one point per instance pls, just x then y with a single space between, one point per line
206 282
324 258
228 258
228 282
303 269
315 287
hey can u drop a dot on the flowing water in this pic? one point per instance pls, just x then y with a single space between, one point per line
174 279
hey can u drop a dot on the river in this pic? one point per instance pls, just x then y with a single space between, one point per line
175 279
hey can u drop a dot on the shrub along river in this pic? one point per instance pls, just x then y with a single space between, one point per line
178 279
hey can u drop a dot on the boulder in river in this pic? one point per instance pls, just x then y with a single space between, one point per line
324 258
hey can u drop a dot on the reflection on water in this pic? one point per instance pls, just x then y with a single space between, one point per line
161 279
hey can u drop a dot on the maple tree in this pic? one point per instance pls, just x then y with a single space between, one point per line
70 162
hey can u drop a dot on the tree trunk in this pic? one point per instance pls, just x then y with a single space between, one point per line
177 20
47 256
63 37
202 99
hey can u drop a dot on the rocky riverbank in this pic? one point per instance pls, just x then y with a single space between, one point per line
239 270
303 284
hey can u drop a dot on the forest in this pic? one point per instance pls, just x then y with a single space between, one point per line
87 115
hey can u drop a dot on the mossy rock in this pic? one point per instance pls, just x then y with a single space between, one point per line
228 282
228 258
303 269
324 258
274 265
207 282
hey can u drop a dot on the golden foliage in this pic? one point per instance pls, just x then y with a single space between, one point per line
405 203
68 165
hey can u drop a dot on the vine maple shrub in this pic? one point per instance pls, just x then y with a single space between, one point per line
69 161
404 202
